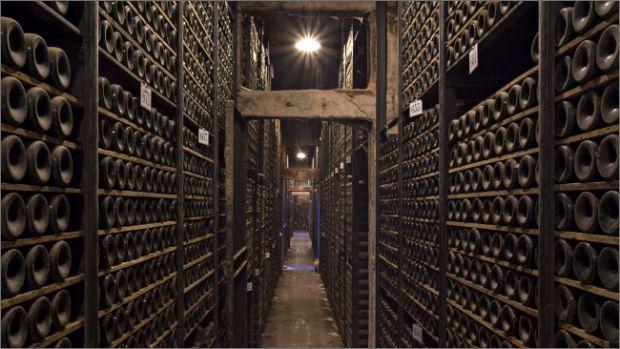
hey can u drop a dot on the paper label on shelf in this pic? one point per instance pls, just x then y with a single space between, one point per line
348 159
342 165
203 136
145 96
249 286
415 108
473 58
256 272
267 255
417 332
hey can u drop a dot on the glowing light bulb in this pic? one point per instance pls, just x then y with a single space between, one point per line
301 155
307 45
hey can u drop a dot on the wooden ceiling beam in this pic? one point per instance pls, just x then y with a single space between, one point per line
317 8
300 173
324 105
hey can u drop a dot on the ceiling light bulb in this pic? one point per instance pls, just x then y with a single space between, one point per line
301 155
307 45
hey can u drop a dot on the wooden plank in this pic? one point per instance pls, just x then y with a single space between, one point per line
326 105
164 335
576 235
507 229
22 132
300 188
137 327
197 303
300 173
197 282
139 194
198 239
39 188
30 81
128 228
134 159
41 239
56 336
585 335
195 153
131 263
36 293
197 261
317 8
488 326
588 288
135 295
494 159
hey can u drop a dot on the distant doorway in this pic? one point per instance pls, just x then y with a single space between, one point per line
301 211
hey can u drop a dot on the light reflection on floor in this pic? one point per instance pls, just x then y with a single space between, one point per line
297 267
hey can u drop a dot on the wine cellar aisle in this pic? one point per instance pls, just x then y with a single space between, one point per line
309 174
300 316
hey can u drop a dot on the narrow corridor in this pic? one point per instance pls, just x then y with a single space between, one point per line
300 315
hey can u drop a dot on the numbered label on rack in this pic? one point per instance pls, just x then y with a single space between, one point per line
348 159
417 332
249 287
203 136
145 96
342 165
267 255
473 58
256 272
415 108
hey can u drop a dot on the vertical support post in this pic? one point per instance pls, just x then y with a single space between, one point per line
180 331
90 28
401 243
238 52
215 226
236 176
546 27
355 177
230 229
216 173
446 112
381 15
400 16
378 124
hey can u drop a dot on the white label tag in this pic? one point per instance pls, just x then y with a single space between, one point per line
145 96
415 108
342 165
336 170
249 287
203 136
473 58
348 160
267 255
417 332
256 272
